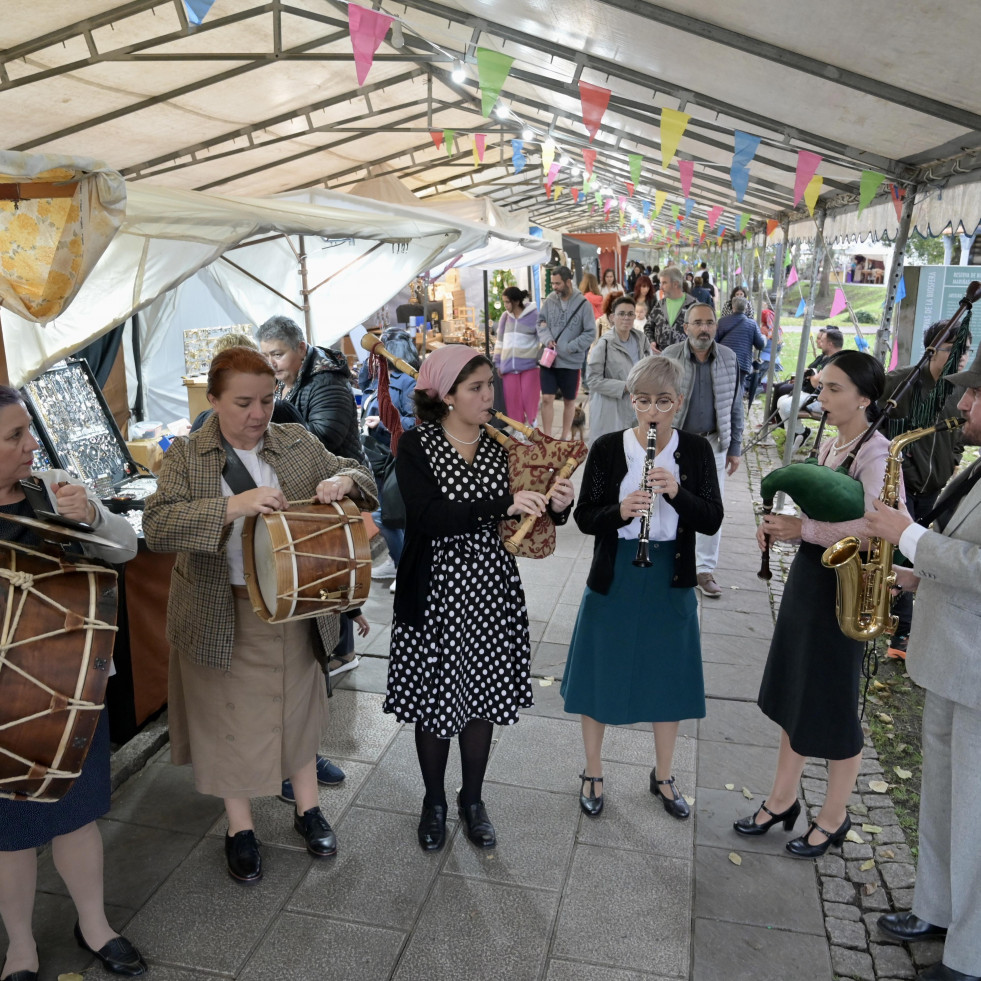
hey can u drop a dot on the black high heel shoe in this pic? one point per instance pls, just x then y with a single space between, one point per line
675 805
748 826
803 849
591 805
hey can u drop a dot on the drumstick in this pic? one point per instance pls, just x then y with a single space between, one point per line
528 521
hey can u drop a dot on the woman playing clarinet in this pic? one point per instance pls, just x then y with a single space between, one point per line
460 654
810 683
636 654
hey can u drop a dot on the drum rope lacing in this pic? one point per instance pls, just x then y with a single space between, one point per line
21 580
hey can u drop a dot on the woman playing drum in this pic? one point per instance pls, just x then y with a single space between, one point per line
460 655
69 823
247 701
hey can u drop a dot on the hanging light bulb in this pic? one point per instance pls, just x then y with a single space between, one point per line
527 134
458 75
502 111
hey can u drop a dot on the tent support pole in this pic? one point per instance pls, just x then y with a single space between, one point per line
759 274
895 275
778 280
486 315
805 334
305 291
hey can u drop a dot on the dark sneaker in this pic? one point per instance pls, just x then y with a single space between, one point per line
328 774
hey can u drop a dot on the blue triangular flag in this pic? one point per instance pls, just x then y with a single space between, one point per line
517 157
745 147
901 289
689 205
647 208
739 177
801 307
861 343
197 10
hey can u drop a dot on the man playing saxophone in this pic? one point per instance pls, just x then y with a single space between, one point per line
944 657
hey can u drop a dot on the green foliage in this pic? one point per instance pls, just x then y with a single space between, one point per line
864 317
922 251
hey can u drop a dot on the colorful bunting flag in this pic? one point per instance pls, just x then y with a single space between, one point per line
807 165
448 136
557 192
792 278
901 289
622 201
739 178
575 194
659 198
870 183
686 168
606 208
197 10
673 125
689 206
588 159
675 211
630 188
897 193
701 227
715 215
367 29
745 146
548 155
839 303
517 157
801 307
771 226
437 137
479 142
812 191
646 208
492 70
636 162
594 99
743 221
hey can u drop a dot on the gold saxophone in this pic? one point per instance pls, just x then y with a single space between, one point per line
864 601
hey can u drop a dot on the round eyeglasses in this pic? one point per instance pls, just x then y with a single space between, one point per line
642 403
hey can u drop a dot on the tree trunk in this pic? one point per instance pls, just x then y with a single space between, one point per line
822 299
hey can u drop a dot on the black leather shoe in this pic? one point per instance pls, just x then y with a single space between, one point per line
317 833
118 956
802 849
675 805
242 855
748 825
432 827
940 972
909 927
22 976
479 828
592 804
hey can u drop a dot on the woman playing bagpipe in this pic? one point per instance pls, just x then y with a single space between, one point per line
810 683
460 654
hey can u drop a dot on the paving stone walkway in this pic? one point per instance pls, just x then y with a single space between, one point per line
632 895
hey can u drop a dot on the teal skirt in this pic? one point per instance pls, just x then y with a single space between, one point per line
636 653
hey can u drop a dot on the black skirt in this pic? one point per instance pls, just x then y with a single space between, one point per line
810 682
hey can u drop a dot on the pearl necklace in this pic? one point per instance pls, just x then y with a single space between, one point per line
465 442
837 448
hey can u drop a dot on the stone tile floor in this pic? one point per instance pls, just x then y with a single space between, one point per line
632 895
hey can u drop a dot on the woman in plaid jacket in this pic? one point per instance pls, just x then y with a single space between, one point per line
247 700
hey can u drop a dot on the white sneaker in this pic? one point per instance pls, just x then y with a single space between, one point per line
391 588
384 571
342 664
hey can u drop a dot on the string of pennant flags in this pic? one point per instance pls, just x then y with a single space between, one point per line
368 29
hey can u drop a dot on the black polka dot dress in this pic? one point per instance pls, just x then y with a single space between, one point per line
471 657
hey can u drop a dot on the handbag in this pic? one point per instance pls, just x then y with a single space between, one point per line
548 355
382 465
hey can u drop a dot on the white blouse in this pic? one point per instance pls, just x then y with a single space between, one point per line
264 476
664 522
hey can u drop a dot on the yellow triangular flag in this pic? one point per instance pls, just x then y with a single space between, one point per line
701 226
548 155
812 191
659 198
476 159
673 124
556 191
756 253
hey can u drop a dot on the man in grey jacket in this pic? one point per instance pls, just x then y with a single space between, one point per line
713 408
944 657
566 325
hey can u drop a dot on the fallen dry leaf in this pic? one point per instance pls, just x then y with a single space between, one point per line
869 888
901 773
730 786
735 859
878 686
900 747
888 853
688 800
879 786
747 794
885 718
854 836
872 829
870 864
545 682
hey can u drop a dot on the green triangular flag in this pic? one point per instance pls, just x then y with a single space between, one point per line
636 162
492 69
448 135
871 181
743 221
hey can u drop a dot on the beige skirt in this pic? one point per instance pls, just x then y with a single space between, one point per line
247 729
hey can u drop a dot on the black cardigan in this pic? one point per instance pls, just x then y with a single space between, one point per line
430 515
698 503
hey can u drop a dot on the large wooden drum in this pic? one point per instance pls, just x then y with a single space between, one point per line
308 561
56 639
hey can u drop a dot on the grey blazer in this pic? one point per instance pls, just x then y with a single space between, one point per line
945 640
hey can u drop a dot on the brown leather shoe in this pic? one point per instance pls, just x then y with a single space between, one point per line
707 585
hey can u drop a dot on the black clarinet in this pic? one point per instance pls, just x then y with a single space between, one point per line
643 559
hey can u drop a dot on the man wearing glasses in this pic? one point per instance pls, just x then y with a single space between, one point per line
713 408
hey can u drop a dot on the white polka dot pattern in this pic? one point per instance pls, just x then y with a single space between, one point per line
472 657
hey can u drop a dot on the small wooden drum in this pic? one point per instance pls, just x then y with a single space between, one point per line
308 561
57 629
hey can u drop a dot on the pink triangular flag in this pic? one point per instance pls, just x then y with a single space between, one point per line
807 165
368 29
687 169
739 271
714 215
622 201
839 303
437 136
792 278
894 359
594 99
480 140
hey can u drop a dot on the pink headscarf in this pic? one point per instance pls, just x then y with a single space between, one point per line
441 369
